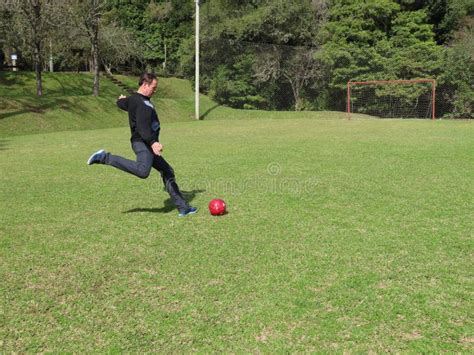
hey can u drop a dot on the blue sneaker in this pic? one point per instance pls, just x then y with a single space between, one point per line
97 158
188 211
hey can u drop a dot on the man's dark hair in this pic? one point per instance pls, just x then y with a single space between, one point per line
146 78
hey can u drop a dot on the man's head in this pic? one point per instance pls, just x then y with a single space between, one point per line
147 84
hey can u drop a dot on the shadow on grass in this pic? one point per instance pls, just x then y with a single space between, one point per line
13 113
54 84
80 86
43 104
13 79
3 144
205 114
169 205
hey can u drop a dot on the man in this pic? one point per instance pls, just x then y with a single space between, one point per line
145 131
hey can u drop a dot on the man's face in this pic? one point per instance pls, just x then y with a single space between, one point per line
149 89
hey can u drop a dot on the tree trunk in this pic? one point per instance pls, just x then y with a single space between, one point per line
95 61
108 68
295 89
39 82
95 47
37 47
38 68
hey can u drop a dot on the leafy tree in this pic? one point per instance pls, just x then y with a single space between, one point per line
267 32
5 28
295 66
445 15
32 23
86 16
160 28
356 39
292 22
70 47
96 36
413 52
457 80
377 40
117 46
234 85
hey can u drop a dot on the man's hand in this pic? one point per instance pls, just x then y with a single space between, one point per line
157 148
122 97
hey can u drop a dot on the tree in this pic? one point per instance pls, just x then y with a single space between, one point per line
33 24
71 48
355 39
117 46
457 80
86 16
294 65
279 37
161 29
5 25
413 52
378 40
445 15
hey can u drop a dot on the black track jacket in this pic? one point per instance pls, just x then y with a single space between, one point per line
142 117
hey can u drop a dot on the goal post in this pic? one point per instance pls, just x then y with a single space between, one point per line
393 98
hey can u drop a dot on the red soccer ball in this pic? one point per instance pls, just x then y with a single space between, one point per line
217 207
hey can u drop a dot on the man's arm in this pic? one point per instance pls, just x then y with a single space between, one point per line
122 103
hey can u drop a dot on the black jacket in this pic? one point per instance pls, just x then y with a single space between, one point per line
142 117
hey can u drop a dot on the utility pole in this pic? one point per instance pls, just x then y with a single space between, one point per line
164 63
51 55
196 98
14 57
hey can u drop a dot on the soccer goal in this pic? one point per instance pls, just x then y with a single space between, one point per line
392 98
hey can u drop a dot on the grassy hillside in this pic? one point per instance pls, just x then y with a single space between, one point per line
68 104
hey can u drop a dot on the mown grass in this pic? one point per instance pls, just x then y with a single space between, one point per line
341 235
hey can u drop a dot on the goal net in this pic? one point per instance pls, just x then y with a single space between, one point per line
392 98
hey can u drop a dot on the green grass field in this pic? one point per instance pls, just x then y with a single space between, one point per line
341 236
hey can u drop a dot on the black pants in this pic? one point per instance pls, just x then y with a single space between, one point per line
141 168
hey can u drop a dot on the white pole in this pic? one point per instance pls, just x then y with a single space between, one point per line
196 99
14 57
51 56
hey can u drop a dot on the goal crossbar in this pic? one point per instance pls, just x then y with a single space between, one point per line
394 82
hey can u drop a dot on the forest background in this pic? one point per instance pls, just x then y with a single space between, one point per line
255 54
